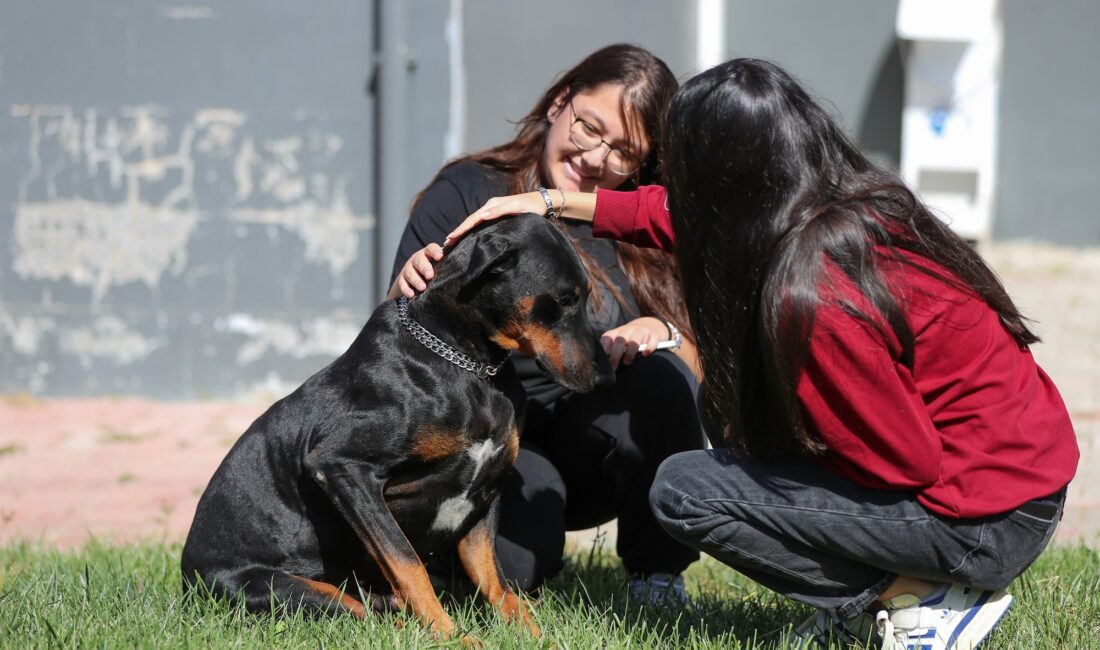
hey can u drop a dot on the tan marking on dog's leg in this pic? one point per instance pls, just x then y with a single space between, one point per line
337 595
478 557
414 591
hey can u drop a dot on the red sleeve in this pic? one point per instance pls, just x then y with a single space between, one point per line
865 406
639 217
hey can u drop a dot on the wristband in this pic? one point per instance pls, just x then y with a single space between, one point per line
674 335
562 208
550 214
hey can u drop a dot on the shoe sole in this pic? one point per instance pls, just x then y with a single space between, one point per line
976 628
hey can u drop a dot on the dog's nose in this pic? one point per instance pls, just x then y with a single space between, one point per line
605 379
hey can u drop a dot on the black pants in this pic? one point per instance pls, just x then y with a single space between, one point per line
587 459
814 536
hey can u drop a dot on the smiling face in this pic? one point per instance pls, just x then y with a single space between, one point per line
573 169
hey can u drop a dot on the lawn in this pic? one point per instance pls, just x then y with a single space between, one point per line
129 596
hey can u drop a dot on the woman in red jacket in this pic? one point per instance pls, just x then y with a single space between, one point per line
891 452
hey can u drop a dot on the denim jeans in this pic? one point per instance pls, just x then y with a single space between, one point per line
814 536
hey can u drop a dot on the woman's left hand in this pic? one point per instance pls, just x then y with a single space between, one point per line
622 343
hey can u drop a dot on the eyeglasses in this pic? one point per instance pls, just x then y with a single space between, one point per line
587 137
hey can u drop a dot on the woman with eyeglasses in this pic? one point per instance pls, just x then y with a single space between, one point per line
893 455
586 459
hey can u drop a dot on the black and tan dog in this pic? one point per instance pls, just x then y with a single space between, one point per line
397 449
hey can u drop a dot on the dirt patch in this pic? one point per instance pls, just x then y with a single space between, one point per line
113 469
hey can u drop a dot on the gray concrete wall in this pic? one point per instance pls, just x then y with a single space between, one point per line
844 51
190 203
1048 165
183 210
416 48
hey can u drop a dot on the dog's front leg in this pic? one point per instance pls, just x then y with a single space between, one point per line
355 488
477 551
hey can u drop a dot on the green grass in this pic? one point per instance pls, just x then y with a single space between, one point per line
129 596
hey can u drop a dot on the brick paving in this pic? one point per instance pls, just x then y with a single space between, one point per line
122 469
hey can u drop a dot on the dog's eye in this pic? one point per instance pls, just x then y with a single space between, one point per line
546 310
569 300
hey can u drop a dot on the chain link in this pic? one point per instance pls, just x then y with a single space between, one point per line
433 343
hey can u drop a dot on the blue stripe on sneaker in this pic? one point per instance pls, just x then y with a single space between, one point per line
966 619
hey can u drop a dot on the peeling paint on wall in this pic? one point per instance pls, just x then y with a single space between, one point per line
25 332
100 245
285 181
330 233
316 337
160 193
109 338
188 13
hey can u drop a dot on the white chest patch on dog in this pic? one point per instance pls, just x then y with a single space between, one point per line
454 511
481 453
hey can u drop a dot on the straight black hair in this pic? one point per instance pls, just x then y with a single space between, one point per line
764 186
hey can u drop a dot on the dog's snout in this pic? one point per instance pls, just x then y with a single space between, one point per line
604 373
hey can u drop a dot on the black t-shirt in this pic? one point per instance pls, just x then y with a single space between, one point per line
465 187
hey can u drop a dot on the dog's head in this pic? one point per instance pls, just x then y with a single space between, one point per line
524 280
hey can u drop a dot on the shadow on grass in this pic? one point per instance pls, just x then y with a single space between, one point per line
726 609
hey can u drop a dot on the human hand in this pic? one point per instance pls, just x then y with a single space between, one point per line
495 208
639 336
416 273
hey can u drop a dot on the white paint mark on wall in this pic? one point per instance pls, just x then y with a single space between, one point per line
152 169
108 337
188 13
317 337
242 169
25 332
269 389
100 245
330 233
218 131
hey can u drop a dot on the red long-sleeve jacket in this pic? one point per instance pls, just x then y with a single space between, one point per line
973 428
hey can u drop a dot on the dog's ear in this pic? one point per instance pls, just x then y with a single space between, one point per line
493 256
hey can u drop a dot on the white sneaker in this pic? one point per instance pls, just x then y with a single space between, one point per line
659 589
958 618
825 626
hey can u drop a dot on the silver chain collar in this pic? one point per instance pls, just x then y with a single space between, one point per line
433 343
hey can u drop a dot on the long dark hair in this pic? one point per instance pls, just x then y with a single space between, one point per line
648 86
763 188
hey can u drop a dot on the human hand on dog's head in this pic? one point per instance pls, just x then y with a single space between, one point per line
495 208
416 273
